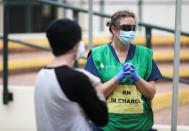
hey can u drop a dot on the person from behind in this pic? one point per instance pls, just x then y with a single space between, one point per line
65 98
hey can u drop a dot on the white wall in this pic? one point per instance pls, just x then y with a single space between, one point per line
168 128
19 114
157 12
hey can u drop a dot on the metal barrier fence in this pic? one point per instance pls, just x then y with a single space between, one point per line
149 27
7 96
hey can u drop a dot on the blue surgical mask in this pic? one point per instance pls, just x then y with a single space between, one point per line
126 37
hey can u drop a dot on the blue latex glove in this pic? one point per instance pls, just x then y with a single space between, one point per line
123 73
131 72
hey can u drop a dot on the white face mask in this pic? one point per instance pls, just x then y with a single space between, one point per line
80 50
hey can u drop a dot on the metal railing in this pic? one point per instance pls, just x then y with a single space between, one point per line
7 96
75 10
148 30
30 45
149 27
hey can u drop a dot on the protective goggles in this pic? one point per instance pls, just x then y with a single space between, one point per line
127 27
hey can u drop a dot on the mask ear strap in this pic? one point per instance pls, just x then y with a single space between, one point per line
80 50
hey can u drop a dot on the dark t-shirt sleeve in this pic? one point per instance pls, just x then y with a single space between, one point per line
90 66
155 74
78 88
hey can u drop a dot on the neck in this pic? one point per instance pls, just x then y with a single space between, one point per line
66 59
121 50
117 45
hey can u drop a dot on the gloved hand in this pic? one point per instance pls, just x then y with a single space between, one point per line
132 73
123 73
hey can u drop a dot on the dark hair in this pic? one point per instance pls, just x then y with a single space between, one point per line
115 18
63 35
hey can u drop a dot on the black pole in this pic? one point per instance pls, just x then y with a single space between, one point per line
148 37
76 16
65 13
101 18
29 16
140 2
76 19
6 95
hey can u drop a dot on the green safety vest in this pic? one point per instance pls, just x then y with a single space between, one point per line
128 109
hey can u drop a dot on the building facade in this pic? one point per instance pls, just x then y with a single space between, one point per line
33 18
